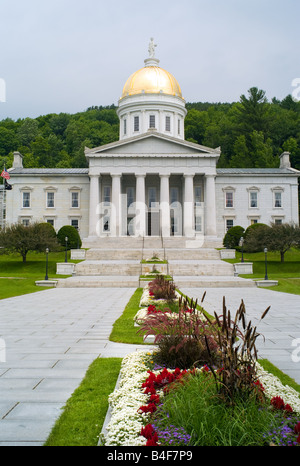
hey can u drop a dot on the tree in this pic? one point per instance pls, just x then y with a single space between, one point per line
276 237
72 234
233 236
18 238
283 237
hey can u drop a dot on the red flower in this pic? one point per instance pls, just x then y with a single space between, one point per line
151 309
277 402
297 429
152 442
149 408
154 399
147 431
288 408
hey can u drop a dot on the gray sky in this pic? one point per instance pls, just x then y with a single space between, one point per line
66 55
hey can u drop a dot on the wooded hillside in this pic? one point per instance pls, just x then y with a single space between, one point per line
251 133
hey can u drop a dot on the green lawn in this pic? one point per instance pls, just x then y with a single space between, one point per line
287 273
18 278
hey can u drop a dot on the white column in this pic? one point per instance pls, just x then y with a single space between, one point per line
116 205
94 203
165 205
210 206
140 219
188 210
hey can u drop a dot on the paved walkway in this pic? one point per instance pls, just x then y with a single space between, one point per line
52 336
278 330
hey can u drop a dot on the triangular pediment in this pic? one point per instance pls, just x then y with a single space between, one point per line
152 144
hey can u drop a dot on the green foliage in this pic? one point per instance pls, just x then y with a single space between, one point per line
232 237
22 239
277 237
72 234
251 133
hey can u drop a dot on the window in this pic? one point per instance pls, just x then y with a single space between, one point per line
173 195
198 195
75 223
253 199
277 199
151 197
278 221
106 225
130 196
50 199
253 221
168 123
178 127
152 121
136 123
125 126
25 222
229 199
75 199
106 195
26 200
229 223
51 221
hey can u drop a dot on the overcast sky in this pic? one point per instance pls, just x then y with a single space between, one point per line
67 55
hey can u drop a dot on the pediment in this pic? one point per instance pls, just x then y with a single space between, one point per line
152 145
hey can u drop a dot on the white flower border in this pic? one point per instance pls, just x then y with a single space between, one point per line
126 422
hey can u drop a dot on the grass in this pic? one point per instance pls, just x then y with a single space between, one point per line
287 273
124 330
82 419
216 423
18 278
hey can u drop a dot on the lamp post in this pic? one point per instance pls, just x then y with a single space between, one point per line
241 244
66 254
266 270
47 251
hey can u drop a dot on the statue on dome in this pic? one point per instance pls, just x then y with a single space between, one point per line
151 48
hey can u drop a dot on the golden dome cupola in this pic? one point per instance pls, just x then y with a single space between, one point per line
151 100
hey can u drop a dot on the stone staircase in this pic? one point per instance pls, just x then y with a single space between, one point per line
117 262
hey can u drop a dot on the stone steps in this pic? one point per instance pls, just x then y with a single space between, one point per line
203 268
148 253
109 267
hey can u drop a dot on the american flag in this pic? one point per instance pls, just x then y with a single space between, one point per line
5 174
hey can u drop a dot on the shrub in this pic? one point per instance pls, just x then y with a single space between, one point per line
257 237
72 234
162 288
182 337
236 377
232 237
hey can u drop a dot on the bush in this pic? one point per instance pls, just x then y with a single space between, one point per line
72 234
232 237
181 337
253 227
161 288
257 238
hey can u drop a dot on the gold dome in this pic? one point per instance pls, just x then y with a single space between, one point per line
151 80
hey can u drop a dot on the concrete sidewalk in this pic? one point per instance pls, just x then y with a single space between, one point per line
51 337
279 330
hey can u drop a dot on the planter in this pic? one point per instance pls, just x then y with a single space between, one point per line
266 283
77 254
243 268
227 253
65 268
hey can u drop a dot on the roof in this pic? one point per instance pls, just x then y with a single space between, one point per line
49 171
258 171
151 134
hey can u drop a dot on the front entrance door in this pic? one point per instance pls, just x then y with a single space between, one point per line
153 223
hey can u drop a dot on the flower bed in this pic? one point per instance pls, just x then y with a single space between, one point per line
139 392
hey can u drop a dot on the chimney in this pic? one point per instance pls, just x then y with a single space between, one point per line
285 160
18 160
